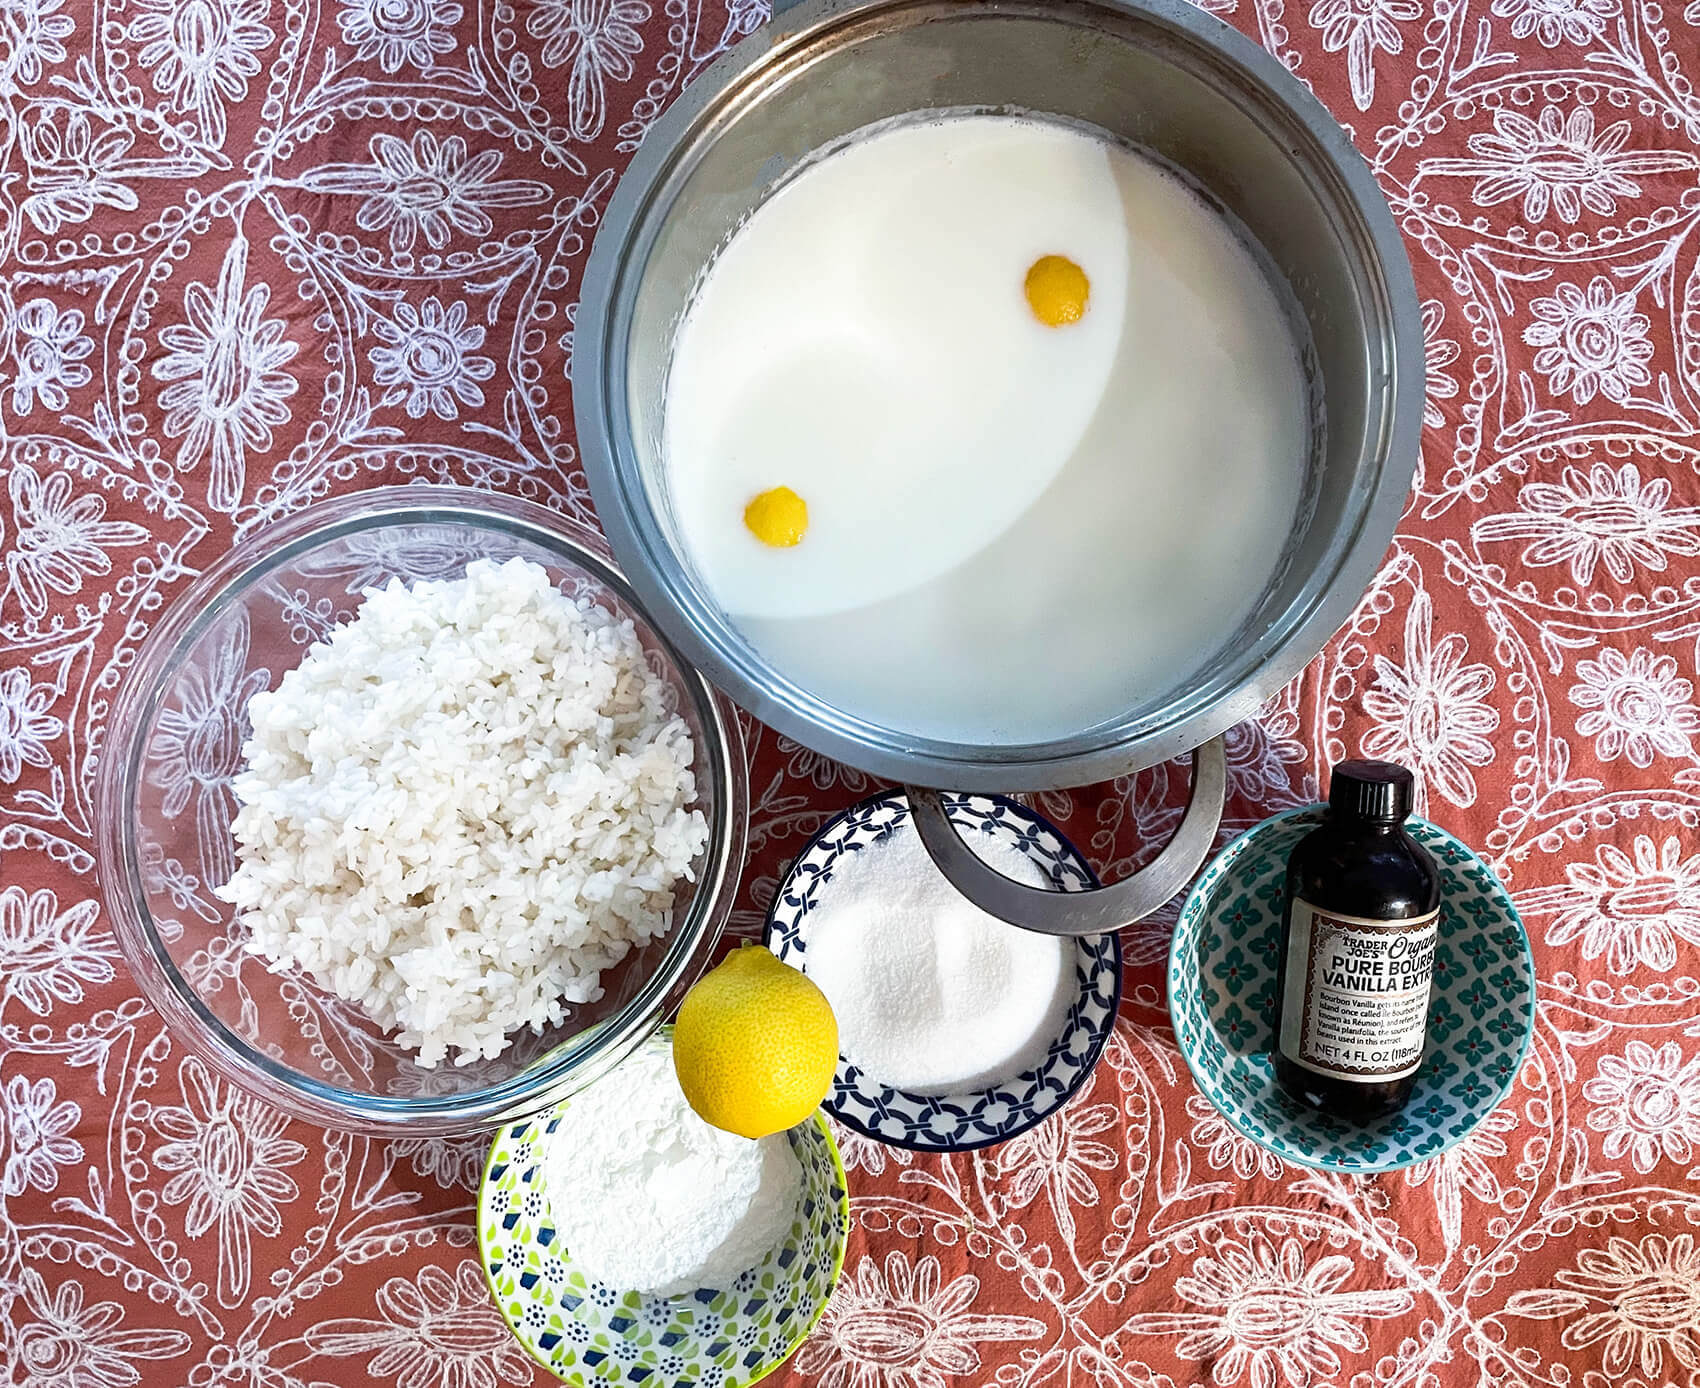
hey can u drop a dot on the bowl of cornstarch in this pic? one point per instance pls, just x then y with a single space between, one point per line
956 1030
627 1241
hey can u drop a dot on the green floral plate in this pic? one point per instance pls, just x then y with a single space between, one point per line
1222 966
587 1332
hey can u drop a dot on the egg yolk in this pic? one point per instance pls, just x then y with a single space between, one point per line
778 517
1056 290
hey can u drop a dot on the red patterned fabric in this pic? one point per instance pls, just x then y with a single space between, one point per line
232 231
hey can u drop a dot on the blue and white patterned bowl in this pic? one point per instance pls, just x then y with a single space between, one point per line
973 1118
1222 966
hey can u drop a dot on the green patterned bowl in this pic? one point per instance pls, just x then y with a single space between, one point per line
1222 966
587 1332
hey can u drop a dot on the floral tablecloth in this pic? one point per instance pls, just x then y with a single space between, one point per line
255 251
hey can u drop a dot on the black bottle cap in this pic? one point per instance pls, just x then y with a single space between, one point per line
1380 791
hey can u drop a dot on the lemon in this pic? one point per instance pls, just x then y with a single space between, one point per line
1057 290
755 1045
778 517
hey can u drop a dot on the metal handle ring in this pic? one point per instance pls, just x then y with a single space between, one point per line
1103 909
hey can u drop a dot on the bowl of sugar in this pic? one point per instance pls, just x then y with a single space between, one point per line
956 1030
626 1241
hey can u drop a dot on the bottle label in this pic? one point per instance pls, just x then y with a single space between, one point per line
1356 1004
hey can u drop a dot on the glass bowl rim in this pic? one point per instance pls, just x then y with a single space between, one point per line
575 1061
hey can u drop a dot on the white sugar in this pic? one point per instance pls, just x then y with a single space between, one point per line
932 994
646 1197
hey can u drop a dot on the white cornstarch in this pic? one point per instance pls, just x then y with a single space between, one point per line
462 807
647 1197
931 993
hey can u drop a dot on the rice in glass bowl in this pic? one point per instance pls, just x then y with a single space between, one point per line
165 807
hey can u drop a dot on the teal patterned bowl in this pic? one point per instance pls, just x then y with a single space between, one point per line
587 1332
1222 966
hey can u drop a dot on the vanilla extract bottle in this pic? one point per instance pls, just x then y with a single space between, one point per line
1357 950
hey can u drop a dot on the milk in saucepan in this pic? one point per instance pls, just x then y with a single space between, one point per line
1015 528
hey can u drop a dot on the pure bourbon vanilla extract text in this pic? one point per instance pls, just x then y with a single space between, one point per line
1357 950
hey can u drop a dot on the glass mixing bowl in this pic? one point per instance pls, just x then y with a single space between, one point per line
164 808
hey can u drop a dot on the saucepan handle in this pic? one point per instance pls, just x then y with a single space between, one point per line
1102 909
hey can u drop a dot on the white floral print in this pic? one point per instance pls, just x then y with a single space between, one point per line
1553 22
26 727
821 772
32 33
439 1330
399 32
1259 764
1363 28
1630 907
426 188
599 38
1224 1147
48 351
372 558
72 173
198 746
411 1082
1058 1157
228 1156
48 954
1635 706
450 1162
858 1152
1467 1167
899 1328
1556 163
1591 341
388 151
1642 1299
1647 1103
565 341
1605 517
1264 1315
428 359
1438 354
71 1344
226 386
60 538
1432 712
202 54
167 877
38 1129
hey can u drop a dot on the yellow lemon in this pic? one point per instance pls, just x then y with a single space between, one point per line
755 1045
778 517
1057 290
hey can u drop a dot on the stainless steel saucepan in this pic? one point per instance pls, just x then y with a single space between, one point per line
1163 77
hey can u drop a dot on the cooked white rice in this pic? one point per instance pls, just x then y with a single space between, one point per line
462 807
